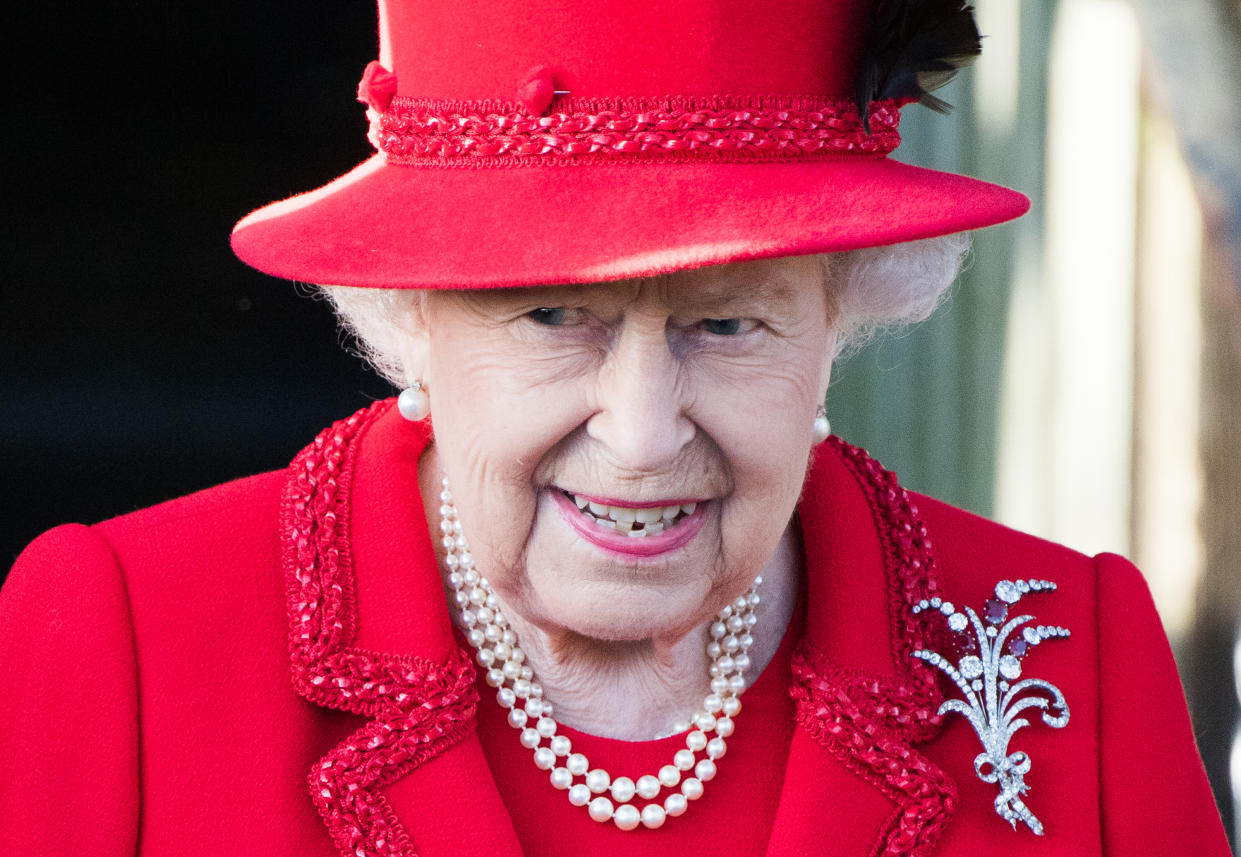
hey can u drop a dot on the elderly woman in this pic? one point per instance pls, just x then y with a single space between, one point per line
598 581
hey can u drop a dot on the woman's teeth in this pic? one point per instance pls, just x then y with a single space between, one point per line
648 521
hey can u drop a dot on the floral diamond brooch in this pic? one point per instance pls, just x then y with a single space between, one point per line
988 668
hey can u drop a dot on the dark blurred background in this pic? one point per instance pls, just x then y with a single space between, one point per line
140 359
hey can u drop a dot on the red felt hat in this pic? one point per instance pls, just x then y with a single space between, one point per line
558 141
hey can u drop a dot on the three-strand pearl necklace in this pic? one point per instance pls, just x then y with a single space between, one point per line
518 690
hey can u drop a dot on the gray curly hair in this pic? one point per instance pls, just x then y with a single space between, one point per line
874 289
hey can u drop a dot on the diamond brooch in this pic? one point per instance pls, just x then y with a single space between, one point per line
988 673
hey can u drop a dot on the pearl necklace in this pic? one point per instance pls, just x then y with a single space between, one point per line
519 691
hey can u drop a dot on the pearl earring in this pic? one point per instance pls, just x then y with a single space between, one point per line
413 403
822 428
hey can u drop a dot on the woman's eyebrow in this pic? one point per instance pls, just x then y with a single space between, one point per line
767 295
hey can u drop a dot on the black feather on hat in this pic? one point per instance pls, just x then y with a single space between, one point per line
915 47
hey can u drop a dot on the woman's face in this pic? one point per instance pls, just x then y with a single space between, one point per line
680 406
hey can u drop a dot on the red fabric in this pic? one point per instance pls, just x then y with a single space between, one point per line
481 49
455 224
149 707
409 227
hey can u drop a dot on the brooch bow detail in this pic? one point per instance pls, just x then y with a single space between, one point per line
987 673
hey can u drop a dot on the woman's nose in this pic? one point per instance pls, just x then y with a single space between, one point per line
640 417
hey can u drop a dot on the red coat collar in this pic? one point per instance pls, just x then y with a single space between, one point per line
379 644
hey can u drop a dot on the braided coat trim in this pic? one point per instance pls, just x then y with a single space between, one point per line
718 128
868 721
418 707
907 705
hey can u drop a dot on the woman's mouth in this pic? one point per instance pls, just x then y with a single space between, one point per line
633 521
635 530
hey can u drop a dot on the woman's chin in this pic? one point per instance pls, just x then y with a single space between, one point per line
621 610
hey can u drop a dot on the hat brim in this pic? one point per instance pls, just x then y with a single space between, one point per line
397 226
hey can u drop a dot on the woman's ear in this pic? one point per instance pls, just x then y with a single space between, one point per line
825 376
414 350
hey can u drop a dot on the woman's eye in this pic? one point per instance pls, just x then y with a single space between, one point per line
552 316
727 326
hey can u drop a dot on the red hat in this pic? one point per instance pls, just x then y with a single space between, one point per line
559 141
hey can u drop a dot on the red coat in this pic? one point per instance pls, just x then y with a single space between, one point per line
148 706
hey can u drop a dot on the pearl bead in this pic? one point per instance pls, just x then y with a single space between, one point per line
691 788
521 687
669 775
675 805
530 739
732 705
598 780
579 795
546 727
684 759
561 778
653 816
715 748
705 770
696 740
413 403
506 697
648 787
495 677
601 809
724 727
577 763
623 789
626 817
517 718
544 758
719 686
561 745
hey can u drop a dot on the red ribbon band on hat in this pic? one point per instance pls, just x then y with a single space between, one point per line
426 131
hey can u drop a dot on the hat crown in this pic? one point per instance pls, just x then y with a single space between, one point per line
484 49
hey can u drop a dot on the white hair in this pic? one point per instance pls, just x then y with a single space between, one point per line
873 290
